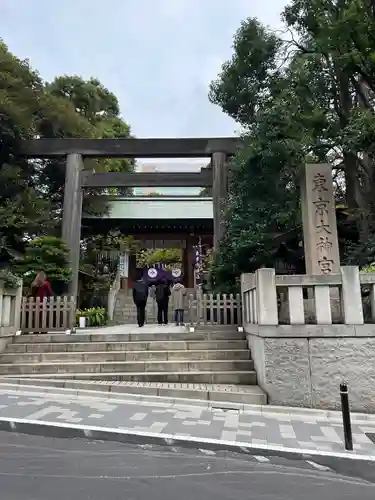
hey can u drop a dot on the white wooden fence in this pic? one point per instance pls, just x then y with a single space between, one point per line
53 314
210 309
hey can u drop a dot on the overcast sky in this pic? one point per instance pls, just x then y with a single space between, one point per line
157 56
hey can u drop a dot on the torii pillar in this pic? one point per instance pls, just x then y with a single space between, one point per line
72 215
219 194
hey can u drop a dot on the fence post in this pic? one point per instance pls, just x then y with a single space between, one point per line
266 297
346 417
18 307
351 296
190 309
1 302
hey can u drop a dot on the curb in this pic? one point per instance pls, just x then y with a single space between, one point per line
57 430
128 397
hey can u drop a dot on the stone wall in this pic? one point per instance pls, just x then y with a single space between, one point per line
303 365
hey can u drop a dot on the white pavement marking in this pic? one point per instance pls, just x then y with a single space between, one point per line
207 452
361 438
260 458
331 434
62 413
318 466
287 431
245 450
138 416
157 426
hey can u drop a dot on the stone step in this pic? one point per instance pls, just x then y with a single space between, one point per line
156 345
131 337
108 356
219 394
126 366
218 377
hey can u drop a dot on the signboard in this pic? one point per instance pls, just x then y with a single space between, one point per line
124 265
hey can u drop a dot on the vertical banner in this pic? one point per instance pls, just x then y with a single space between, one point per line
124 265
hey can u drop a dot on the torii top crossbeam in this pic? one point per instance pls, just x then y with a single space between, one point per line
131 148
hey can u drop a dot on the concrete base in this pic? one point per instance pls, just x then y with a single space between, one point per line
303 365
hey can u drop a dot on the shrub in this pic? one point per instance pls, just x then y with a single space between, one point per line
96 316
10 279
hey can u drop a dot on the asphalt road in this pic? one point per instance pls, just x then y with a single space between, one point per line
38 468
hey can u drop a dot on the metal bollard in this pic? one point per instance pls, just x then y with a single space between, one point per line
346 417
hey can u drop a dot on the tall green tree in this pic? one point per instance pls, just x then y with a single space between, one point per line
91 111
23 209
341 35
309 98
31 191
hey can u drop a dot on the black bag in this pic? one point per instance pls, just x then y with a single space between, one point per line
140 292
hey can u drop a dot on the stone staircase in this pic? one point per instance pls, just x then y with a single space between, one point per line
125 312
199 364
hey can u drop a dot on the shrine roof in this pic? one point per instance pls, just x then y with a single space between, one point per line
159 207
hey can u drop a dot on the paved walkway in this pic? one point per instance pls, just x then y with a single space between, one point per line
305 429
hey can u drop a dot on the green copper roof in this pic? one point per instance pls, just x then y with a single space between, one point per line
148 207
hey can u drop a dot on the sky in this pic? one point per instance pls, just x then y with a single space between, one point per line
157 56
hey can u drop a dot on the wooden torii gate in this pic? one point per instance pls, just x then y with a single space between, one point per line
76 179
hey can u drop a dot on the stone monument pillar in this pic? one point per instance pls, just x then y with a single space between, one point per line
72 214
219 194
319 220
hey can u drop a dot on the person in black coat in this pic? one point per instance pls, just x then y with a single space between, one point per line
162 294
140 295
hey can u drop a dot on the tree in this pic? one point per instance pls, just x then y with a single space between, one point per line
263 187
48 254
341 35
167 256
22 207
309 99
207 191
31 191
86 109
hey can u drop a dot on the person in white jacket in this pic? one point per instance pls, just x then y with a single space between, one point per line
178 297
